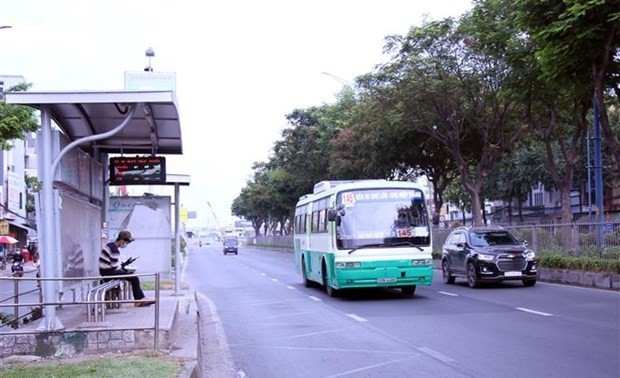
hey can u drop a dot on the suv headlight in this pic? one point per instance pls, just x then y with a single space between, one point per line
483 257
348 264
529 255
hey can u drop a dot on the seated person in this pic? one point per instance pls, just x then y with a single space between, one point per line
399 223
109 265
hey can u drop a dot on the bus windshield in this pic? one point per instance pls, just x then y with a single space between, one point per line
387 216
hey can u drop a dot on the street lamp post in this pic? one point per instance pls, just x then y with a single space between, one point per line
149 53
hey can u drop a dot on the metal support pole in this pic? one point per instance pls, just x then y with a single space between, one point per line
598 176
46 233
177 242
589 184
156 320
16 302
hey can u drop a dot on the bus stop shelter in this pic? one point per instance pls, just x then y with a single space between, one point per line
100 123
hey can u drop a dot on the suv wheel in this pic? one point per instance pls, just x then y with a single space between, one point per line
529 283
472 276
447 276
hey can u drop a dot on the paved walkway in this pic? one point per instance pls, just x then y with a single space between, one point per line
124 329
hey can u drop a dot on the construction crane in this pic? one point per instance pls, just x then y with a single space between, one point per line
215 220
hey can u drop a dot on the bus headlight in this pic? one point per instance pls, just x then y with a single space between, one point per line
422 262
348 264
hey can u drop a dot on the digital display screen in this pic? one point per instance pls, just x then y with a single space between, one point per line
138 170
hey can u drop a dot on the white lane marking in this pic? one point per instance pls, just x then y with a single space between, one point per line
533 311
263 274
317 299
355 317
435 354
275 279
285 315
374 366
308 334
290 287
448 294
241 374
270 302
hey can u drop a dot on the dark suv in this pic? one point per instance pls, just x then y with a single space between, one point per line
487 254
231 245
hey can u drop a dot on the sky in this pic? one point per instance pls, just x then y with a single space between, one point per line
241 66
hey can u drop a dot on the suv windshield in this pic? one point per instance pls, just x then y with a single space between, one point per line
230 241
387 216
486 238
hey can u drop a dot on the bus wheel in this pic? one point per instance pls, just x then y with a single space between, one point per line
304 274
328 288
408 291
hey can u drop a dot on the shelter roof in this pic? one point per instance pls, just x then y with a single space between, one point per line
154 129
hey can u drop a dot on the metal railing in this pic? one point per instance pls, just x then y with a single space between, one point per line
81 282
14 322
591 239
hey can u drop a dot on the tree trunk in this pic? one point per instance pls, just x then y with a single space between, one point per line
476 209
567 219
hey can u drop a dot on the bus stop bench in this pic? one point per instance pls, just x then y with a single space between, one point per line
114 289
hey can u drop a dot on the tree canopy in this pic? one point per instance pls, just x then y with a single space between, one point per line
16 120
499 99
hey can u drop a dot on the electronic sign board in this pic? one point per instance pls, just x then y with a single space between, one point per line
138 170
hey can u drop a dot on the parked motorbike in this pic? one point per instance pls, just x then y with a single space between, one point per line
17 264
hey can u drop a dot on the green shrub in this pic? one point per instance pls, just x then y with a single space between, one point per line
592 264
612 238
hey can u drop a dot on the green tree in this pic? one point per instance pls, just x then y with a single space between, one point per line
556 107
577 42
16 120
458 94
299 160
516 174
33 185
251 205
378 143
456 195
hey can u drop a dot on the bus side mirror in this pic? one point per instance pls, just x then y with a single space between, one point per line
332 214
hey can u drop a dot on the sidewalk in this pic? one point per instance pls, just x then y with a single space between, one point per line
125 329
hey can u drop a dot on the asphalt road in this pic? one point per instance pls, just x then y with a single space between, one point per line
272 326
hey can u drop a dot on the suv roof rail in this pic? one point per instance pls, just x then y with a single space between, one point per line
487 227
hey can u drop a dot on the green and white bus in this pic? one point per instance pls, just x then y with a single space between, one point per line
362 234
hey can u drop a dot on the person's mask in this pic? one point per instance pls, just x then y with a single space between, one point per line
124 245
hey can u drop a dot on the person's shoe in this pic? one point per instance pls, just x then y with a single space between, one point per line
144 302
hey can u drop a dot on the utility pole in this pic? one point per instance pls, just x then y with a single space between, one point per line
598 177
